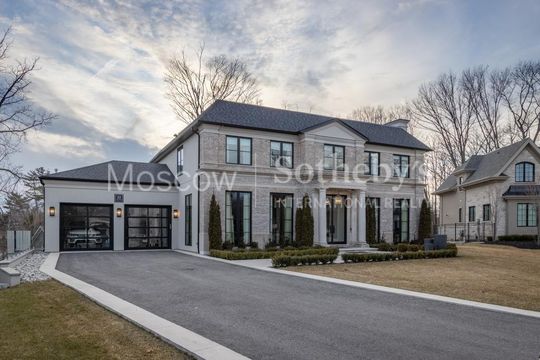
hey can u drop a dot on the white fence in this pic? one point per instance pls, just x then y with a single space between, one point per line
18 240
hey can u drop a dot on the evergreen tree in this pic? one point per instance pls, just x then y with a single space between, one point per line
308 221
371 223
299 226
424 226
214 224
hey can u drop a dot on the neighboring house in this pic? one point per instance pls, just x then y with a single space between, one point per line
492 195
271 159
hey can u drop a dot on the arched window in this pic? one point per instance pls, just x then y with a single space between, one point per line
524 172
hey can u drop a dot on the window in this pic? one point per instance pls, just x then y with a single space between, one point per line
460 215
86 227
238 217
460 180
401 166
281 154
486 212
524 172
282 219
188 221
526 215
472 213
238 150
147 227
179 160
372 163
334 157
401 220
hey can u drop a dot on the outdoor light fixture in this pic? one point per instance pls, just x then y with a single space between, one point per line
52 211
175 213
118 212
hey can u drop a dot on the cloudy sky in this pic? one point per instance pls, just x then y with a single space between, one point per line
102 63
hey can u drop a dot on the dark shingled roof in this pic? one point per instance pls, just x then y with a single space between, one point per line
142 173
522 190
265 118
483 166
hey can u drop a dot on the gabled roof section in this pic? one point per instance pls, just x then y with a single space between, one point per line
141 173
294 122
484 167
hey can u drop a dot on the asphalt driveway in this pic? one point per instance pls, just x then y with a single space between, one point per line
272 316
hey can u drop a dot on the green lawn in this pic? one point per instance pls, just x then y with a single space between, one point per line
46 320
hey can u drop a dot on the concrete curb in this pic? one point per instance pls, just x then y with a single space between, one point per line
181 338
476 304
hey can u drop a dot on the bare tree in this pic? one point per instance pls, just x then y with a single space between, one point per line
381 115
17 115
193 87
485 91
443 108
522 98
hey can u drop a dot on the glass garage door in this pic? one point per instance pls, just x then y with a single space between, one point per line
86 227
148 227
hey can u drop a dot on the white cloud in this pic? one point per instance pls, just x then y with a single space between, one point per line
64 146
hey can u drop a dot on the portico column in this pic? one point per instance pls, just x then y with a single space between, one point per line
322 216
361 221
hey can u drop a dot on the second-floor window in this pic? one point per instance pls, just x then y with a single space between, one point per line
372 163
401 166
472 213
281 154
334 157
486 212
238 150
179 160
524 172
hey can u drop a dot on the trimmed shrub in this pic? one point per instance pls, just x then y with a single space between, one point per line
402 247
304 224
407 255
451 246
371 223
517 238
413 247
243 254
385 246
295 260
424 222
214 224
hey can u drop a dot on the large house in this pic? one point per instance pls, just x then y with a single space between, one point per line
259 163
492 195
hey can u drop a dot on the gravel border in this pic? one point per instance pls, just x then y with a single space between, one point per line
29 267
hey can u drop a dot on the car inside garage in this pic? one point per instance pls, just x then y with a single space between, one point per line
86 226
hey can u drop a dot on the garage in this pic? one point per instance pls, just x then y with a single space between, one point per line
86 226
147 227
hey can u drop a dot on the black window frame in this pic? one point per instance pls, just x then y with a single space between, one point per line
333 157
188 220
238 157
400 156
486 215
61 225
472 215
179 166
250 216
281 153
460 215
272 194
127 226
368 170
528 206
521 176
398 211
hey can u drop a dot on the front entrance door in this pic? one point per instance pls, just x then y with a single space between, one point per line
336 219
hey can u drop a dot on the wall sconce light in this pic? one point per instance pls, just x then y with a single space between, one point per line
175 213
118 212
52 211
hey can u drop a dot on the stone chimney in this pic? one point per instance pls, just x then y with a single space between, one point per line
399 123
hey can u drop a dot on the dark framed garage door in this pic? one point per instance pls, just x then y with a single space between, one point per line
86 226
147 227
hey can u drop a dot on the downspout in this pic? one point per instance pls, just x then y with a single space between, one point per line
196 131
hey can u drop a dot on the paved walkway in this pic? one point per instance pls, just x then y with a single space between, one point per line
273 316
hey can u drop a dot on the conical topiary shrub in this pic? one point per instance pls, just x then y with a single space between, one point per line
371 223
214 224
424 223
